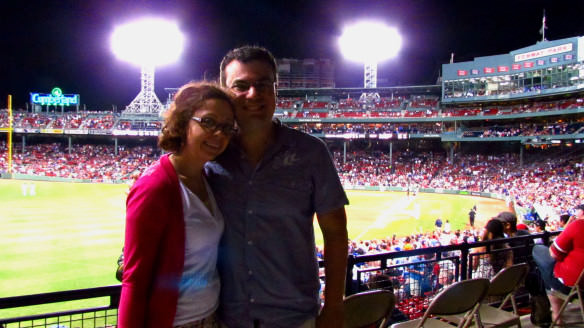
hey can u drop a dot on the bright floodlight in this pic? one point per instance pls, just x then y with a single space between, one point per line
148 41
368 42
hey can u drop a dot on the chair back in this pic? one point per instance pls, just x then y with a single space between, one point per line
507 280
367 308
459 297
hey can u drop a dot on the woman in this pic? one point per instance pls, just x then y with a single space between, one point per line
560 264
489 264
173 224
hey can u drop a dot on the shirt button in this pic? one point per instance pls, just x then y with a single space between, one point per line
250 272
251 300
250 212
250 183
250 242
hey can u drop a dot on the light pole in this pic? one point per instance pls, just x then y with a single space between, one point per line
370 43
148 42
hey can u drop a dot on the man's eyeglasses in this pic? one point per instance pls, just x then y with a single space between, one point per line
259 86
213 126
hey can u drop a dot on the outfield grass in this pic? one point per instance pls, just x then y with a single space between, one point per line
69 235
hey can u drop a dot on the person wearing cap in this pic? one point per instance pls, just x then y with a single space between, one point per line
509 220
489 264
561 263
522 226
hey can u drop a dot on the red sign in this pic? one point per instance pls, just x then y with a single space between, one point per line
516 66
489 70
462 72
528 64
503 69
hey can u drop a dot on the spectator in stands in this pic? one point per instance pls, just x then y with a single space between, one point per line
267 262
564 218
539 228
578 214
509 221
489 264
173 224
561 264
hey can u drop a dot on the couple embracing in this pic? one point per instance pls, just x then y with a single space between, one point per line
219 231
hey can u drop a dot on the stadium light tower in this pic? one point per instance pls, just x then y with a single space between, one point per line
148 42
370 43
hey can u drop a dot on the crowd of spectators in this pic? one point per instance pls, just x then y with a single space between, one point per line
361 128
97 163
526 129
101 120
401 107
549 182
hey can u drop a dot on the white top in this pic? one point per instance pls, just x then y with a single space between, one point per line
199 287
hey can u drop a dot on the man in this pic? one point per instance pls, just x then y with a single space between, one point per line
438 224
269 183
471 216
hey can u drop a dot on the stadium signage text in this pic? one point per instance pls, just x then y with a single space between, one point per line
56 97
309 120
544 52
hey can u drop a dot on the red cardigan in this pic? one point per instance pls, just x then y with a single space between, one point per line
153 250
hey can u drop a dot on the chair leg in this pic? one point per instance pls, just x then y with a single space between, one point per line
581 301
560 311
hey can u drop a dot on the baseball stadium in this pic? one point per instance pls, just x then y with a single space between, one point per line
425 167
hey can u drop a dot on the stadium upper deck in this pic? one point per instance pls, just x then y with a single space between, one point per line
546 68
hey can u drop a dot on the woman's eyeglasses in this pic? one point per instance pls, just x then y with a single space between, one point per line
213 126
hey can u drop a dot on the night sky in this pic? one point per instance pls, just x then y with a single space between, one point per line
66 43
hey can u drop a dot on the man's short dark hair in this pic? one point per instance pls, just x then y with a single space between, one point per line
247 54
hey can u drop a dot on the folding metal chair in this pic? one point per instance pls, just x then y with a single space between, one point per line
503 285
459 298
368 308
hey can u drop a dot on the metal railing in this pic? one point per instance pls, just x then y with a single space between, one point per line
102 316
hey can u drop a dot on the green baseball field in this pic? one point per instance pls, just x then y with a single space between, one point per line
60 236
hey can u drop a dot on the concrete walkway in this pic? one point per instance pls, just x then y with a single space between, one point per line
571 314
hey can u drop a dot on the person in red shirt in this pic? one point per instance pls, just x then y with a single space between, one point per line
561 265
